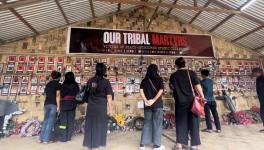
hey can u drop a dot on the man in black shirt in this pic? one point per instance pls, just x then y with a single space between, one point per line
258 73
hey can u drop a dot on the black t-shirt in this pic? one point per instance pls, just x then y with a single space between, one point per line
50 90
68 93
260 89
179 83
150 92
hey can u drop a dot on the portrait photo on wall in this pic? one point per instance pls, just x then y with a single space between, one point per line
60 60
25 79
7 79
60 68
12 59
32 59
22 59
33 89
41 59
50 60
34 79
21 67
13 90
5 90
41 89
1 68
15 80
30 68
10 68
50 68
42 79
23 89
68 68
41 68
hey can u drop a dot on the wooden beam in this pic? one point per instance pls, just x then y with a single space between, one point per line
118 7
248 33
261 22
23 20
197 15
62 12
221 23
19 4
92 8
195 3
175 2
155 4
153 16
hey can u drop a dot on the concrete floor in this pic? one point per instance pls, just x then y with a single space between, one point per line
232 138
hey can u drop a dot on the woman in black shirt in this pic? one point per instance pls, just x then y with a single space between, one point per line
186 121
100 95
151 89
69 90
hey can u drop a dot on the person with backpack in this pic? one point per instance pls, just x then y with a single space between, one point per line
151 89
99 97
210 106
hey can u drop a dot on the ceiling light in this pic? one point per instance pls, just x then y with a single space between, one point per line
248 4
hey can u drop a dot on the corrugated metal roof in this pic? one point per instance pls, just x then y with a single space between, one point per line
45 15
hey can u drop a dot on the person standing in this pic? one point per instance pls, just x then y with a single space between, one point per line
51 107
100 95
69 90
186 121
210 106
258 73
151 89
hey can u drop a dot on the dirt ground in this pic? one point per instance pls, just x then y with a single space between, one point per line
232 138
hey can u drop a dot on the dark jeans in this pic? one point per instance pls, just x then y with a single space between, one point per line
152 130
50 112
211 106
66 125
187 123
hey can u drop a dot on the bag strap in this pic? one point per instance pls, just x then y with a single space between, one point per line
152 85
190 82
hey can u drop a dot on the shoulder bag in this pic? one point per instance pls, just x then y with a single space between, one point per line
198 102
83 94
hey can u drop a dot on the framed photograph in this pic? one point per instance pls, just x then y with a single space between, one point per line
5 90
7 79
50 68
78 61
1 68
137 88
95 61
10 68
86 68
34 79
78 79
60 68
21 67
41 89
41 59
50 60
60 60
85 79
33 89
129 88
112 79
68 68
22 59
104 60
25 79
15 80
61 80
121 79
87 61
32 59
121 88
41 68
12 59
23 89
42 79
30 68
78 68
14 90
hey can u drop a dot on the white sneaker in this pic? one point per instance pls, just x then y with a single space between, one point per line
160 148
142 147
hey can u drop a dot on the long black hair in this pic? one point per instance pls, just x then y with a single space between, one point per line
69 78
152 72
99 75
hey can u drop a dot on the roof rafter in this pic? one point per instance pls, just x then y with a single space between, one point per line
227 18
175 2
92 8
248 33
12 10
197 15
155 4
62 12
153 16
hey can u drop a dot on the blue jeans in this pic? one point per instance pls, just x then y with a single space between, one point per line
50 112
152 130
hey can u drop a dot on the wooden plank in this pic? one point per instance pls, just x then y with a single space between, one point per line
261 22
248 33
197 15
167 5
153 16
62 12
92 8
175 2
